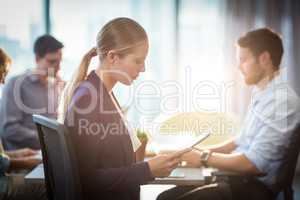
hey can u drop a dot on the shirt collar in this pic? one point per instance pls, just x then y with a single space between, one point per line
275 83
32 76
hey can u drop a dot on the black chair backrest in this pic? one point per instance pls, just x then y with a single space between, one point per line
288 168
60 164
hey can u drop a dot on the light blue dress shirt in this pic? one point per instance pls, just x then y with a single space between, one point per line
272 116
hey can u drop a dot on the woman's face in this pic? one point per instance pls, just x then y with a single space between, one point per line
126 68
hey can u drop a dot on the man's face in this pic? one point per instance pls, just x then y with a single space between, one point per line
249 66
50 63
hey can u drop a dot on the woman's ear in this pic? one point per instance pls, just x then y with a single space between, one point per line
112 57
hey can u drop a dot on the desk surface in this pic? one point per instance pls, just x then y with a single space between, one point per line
193 176
36 175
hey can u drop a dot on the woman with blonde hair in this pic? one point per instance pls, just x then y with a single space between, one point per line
5 62
105 146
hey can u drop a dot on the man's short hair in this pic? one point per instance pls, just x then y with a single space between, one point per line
46 44
261 40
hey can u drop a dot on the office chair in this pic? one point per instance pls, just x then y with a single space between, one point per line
287 170
60 165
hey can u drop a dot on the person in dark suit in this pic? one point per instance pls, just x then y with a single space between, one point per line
104 144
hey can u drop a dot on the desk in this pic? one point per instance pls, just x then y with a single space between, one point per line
193 176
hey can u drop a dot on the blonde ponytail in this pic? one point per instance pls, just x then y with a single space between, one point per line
66 97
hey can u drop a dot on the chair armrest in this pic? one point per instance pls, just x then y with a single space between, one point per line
235 174
226 173
232 177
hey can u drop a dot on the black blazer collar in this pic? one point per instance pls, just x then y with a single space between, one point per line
94 79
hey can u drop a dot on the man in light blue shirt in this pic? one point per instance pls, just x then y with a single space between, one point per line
265 135
270 121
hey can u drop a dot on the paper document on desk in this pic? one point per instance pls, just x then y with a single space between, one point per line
39 155
169 143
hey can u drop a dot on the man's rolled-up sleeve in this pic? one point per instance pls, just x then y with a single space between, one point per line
271 141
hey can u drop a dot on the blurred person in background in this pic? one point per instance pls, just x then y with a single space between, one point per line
23 159
34 92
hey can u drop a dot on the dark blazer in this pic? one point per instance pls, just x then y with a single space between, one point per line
102 144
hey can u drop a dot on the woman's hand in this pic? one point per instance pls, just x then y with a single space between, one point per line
162 165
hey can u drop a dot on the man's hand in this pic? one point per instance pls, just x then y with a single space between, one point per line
21 153
31 162
23 159
24 163
192 159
